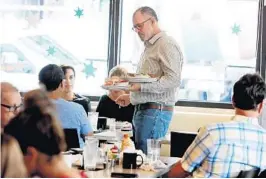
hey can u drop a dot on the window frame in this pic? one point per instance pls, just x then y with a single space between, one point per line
114 47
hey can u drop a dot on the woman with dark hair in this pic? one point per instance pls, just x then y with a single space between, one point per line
69 94
41 138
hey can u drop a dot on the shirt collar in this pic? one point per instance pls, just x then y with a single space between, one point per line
154 38
250 120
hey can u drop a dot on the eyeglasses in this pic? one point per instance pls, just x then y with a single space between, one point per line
12 108
139 25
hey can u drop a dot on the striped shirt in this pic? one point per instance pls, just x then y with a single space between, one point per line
224 149
163 58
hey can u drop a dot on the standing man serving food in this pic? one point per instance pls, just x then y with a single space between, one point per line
163 59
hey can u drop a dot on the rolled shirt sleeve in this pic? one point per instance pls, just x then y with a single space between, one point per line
85 127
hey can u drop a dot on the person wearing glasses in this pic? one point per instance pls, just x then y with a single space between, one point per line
41 138
163 59
11 103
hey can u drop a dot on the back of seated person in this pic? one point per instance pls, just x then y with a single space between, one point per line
41 138
12 163
107 106
71 115
224 149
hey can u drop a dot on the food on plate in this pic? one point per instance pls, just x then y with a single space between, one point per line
138 75
115 82
108 83
122 83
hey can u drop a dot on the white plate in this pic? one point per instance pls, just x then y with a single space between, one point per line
141 80
115 87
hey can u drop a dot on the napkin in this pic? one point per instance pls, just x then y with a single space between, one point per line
153 166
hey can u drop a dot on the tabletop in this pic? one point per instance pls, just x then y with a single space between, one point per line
112 135
106 173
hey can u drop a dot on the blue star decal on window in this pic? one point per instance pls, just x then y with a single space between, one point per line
27 70
79 12
51 50
89 70
236 29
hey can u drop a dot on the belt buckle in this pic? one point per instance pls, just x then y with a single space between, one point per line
139 107
160 106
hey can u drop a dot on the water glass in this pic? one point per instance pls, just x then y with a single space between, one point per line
93 117
103 158
153 150
68 159
90 153
112 124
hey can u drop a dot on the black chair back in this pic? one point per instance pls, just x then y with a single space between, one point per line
72 139
262 174
253 173
180 141
102 122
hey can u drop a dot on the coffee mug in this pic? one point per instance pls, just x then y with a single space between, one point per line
130 160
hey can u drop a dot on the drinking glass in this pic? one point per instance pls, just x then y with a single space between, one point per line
112 124
153 149
90 153
93 117
68 159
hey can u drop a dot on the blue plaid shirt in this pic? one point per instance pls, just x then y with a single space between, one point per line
224 149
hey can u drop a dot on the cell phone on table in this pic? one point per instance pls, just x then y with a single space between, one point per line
123 175
76 150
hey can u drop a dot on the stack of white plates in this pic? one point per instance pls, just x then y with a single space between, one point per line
141 80
115 87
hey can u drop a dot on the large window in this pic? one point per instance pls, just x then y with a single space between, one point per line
34 33
217 38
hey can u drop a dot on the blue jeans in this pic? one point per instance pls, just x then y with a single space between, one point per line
150 124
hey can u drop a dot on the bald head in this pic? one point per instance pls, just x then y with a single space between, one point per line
7 87
145 23
148 11
10 100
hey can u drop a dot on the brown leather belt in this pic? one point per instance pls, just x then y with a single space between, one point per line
154 106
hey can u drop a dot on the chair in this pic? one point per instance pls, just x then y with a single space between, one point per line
253 173
180 141
102 121
262 174
72 139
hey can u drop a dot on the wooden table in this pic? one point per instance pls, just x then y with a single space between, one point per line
106 173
